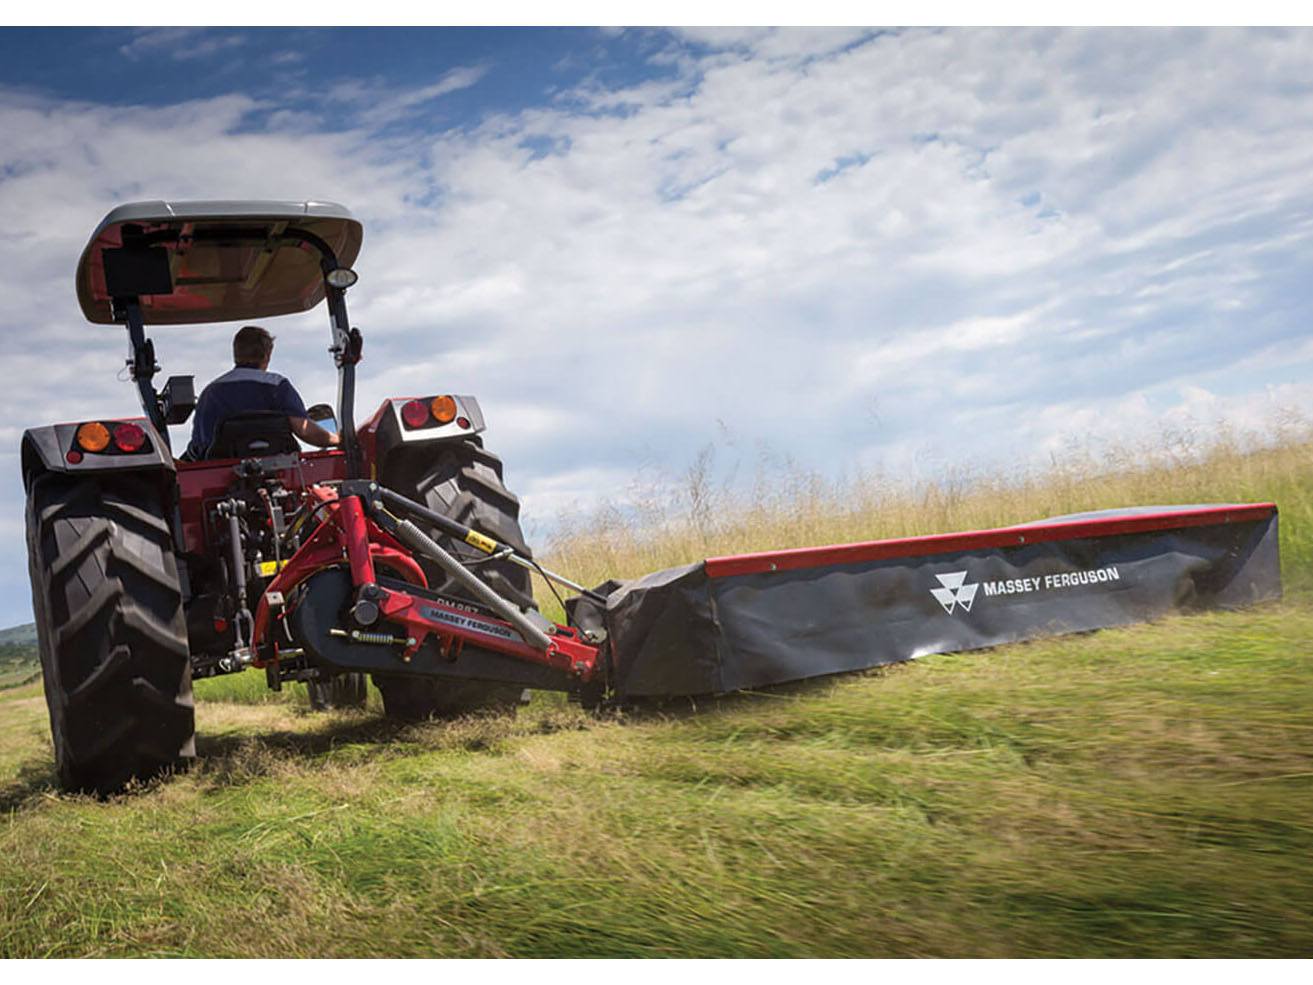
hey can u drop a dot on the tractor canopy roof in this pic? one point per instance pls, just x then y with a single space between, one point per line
194 262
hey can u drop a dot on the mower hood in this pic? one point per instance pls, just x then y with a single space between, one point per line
226 261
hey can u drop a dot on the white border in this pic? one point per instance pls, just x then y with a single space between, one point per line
639 13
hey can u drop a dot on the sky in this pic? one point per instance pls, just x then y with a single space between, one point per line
880 249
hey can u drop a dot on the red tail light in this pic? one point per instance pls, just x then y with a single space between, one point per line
129 437
415 413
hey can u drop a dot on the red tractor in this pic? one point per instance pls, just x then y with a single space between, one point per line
322 566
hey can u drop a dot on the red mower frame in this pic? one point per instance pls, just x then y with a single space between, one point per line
359 528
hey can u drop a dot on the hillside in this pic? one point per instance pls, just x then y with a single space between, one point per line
1135 792
19 660
24 634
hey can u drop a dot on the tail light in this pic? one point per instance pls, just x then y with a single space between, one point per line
129 437
108 438
429 412
415 413
443 409
93 436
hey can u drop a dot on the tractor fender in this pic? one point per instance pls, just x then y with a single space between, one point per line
46 449
385 432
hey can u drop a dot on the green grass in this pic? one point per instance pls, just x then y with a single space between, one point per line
249 688
17 677
19 663
1145 791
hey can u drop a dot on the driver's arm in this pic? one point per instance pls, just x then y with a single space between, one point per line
312 434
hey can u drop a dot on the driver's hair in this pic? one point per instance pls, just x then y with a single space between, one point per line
252 345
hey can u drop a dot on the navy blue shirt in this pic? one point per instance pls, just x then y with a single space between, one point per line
241 390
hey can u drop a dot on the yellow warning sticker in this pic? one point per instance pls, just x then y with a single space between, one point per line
485 544
269 568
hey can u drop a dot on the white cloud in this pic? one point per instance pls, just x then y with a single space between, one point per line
179 43
377 104
852 250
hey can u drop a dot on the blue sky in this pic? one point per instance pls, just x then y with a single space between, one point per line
913 250
520 67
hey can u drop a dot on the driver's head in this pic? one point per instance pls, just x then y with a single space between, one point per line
252 347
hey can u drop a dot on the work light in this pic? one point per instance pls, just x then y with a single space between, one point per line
341 278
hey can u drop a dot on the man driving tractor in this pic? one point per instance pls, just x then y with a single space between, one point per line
149 570
247 388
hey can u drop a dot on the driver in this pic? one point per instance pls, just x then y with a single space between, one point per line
249 387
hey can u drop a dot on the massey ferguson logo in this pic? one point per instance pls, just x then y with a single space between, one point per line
956 592
953 591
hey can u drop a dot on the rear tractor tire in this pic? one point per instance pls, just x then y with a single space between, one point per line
341 691
418 699
464 482
110 629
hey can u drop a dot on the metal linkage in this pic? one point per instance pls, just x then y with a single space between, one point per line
372 492
243 624
513 645
424 545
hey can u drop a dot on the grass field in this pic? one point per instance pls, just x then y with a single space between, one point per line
1139 792
19 664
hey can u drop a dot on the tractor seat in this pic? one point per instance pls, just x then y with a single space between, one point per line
258 434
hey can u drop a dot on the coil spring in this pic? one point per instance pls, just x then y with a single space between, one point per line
382 639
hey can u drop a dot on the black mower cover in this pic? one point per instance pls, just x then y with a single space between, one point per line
726 624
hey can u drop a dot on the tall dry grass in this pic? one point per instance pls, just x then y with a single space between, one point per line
710 511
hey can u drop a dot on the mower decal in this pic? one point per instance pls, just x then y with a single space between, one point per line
956 592
1050 583
470 624
1012 586
460 604
485 544
270 568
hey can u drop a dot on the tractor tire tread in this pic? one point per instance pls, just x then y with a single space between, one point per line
110 628
464 482
342 691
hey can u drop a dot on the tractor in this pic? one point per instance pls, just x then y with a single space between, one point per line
397 554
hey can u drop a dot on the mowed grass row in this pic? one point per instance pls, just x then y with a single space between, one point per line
1143 791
